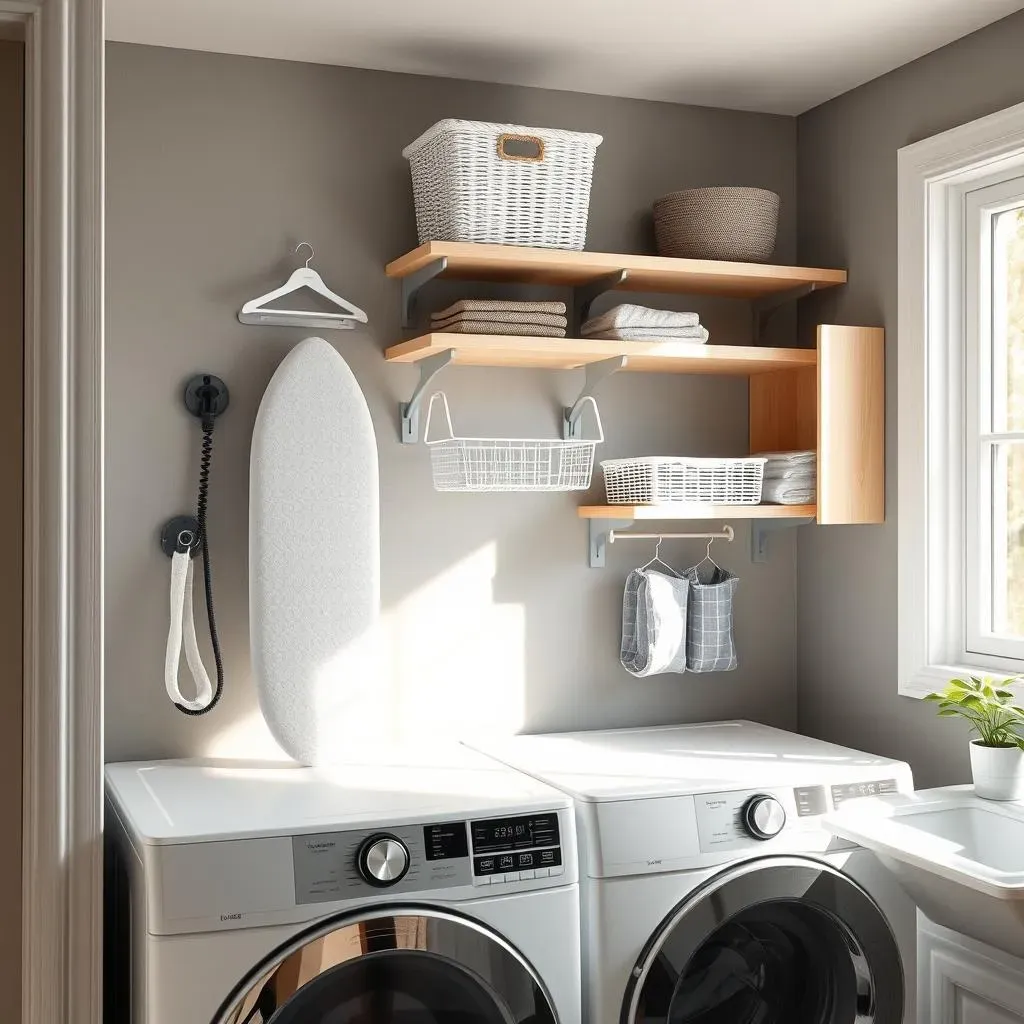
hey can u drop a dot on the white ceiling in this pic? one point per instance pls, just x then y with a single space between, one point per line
783 56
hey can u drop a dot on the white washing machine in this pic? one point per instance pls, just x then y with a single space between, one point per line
711 892
437 889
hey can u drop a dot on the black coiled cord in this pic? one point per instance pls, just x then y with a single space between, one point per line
204 490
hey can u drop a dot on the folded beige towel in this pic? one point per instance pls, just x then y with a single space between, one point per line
630 315
512 330
537 319
698 335
499 306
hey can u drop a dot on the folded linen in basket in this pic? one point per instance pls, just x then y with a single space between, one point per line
654 623
698 335
510 330
499 306
630 315
789 492
537 319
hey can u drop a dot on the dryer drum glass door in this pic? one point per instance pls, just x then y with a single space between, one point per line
393 966
781 940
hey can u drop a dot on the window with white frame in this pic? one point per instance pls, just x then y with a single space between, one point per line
961 403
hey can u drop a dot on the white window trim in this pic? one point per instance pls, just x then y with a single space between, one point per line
933 176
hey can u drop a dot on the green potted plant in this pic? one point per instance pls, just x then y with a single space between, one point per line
997 755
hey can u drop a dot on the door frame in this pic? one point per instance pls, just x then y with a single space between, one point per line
62 811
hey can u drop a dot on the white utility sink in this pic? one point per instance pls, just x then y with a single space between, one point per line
961 858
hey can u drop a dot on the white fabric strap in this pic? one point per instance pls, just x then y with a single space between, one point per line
183 622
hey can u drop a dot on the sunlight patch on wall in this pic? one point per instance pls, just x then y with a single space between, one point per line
459 658
449 662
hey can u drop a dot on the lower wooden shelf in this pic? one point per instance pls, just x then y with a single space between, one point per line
669 512
606 521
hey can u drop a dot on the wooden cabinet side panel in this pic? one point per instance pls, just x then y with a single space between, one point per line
784 410
851 424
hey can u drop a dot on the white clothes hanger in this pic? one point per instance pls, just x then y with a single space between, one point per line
253 312
707 558
656 560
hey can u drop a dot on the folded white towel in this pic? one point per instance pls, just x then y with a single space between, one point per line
697 335
788 492
809 474
629 315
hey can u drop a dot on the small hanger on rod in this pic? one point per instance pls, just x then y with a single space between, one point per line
707 557
254 311
657 560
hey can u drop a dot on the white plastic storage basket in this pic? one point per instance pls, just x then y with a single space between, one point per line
503 183
665 481
508 464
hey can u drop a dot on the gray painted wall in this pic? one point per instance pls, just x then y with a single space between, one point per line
847 575
216 167
12 345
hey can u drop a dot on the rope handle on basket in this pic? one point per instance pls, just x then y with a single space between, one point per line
507 137
447 416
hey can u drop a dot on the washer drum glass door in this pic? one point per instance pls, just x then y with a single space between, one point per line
393 966
780 940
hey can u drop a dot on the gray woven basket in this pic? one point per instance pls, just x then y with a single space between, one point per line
717 224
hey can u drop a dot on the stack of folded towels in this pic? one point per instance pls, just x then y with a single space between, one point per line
638 323
790 478
496 316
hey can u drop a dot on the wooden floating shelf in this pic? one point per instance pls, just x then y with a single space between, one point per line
570 353
521 265
670 512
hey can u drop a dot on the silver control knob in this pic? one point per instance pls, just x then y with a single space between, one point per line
764 817
383 860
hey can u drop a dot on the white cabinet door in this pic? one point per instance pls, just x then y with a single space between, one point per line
961 981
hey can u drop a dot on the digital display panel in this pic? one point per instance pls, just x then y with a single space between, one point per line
499 834
857 789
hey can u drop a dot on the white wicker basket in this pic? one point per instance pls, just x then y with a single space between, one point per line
509 464
469 184
666 481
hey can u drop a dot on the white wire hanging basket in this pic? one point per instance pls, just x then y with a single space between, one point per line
509 464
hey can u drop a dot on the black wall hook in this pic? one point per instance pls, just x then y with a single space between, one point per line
180 533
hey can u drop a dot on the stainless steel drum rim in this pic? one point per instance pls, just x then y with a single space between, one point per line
344 938
714 893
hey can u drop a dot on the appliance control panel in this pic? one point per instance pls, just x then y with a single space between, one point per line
740 819
333 866
516 849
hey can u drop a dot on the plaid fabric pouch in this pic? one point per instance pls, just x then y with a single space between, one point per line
654 623
710 646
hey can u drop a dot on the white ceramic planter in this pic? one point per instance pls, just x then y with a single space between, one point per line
998 772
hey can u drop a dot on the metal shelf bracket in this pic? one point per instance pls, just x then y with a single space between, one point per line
414 282
584 296
597 536
410 411
764 307
761 528
572 428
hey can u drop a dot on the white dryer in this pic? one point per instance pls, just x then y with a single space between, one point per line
710 891
415 890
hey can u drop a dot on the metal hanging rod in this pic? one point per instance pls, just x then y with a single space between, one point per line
727 534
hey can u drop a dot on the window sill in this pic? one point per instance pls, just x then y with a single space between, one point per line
932 678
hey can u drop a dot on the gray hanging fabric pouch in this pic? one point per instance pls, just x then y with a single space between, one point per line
654 613
710 644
